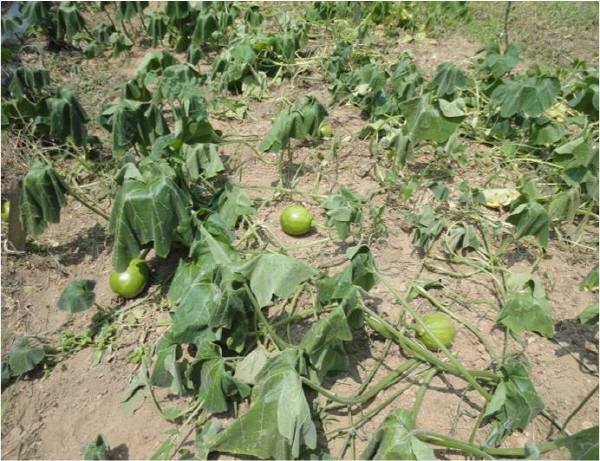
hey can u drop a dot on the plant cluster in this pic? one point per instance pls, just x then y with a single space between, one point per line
173 192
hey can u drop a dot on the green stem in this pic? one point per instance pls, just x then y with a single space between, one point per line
459 368
437 303
421 394
580 406
280 343
389 380
87 205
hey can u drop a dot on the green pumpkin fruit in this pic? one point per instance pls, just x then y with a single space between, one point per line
442 328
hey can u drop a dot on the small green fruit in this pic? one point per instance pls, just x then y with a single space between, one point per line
296 220
132 281
442 328
325 131
5 210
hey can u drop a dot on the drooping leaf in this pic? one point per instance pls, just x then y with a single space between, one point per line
167 371
24 357
499 64
394 439
146 210
515 401
426 122
28 82
248 369
275 274
590 315
530 218
61 116
42 197
461 235
324 343
215 383
233 203
78 296
526 306
278 422
582 445
447 80
344 209
530 97
202 160
206 300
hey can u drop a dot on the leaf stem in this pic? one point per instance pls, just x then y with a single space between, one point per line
280 343
389 380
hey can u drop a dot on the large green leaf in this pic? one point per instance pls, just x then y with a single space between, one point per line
448 79
133 123
530 97
206 300
394 439
323 343
216 384
27 82
24 357
278 422
582 445
77 296
275 274
515 401
427 122
526 306
148 209
61 116
42 197
530 218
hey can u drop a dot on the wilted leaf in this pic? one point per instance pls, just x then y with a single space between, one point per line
530 97
275 274
526 306
589 316
278 422
515 401
24 357
146 210
394 439
323 343
582 445
42 197
96 449
78 296
530 219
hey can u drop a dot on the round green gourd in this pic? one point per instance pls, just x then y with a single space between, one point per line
296 220
442 328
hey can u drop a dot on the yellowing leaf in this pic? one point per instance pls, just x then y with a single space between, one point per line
498 198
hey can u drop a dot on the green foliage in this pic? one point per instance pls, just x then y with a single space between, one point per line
394 439
526 306
275 274
343 210
24 357
42 197
78 296
148 209
304 120
278 423
514 404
